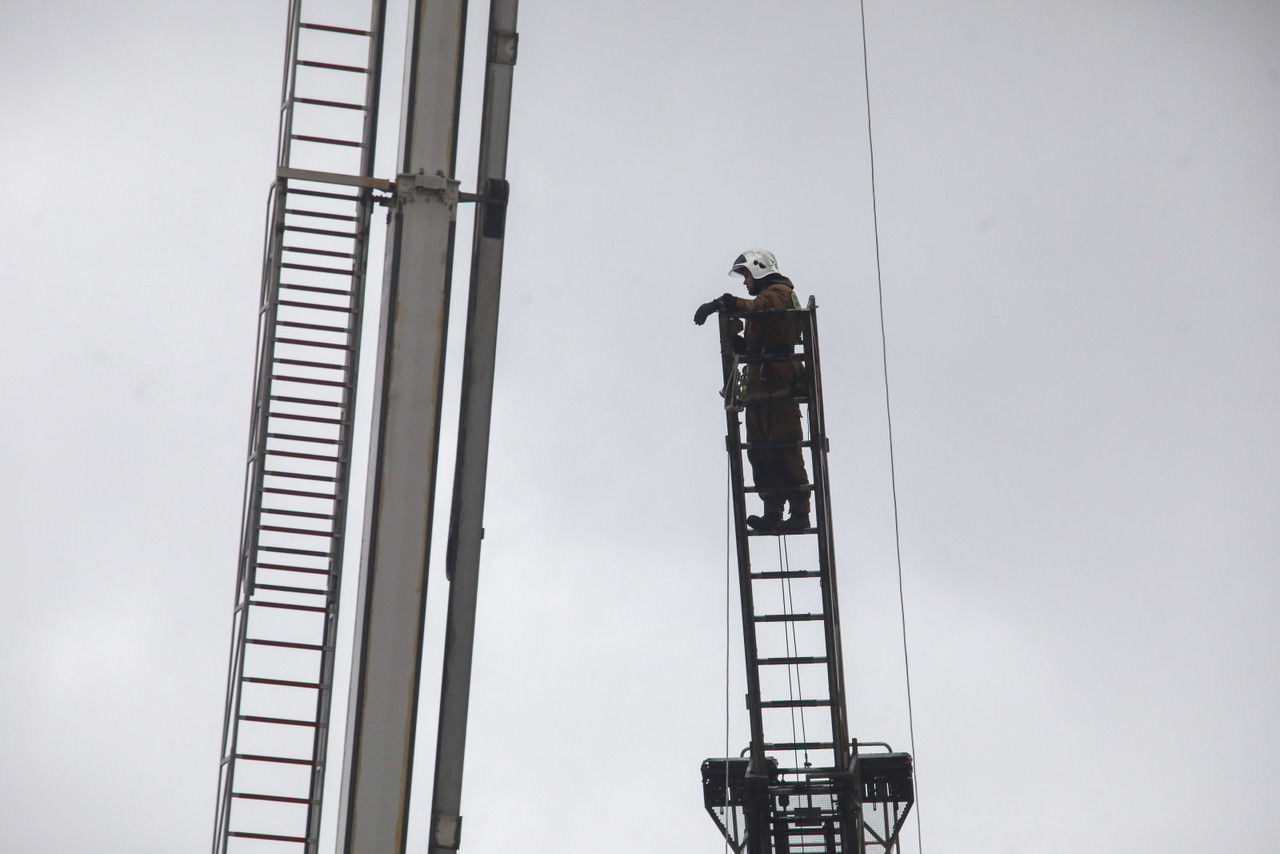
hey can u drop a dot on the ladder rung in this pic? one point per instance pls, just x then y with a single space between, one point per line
329 29
319 214
797 573
808 487
326 140
800 745
781 533
284 588
282 529
284 512
789 704
320 102
314 418
313 647
311 381
301 493
282 567
298 455
281 798
319 440
286 606
306 250
302 476
288 399
332 66
287 683
273 837
312 268
340 366
324 231
793 659
315 289
313 343
314 307
786 618
283 550
260 719
322 327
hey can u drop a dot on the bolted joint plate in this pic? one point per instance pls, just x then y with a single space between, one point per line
423 187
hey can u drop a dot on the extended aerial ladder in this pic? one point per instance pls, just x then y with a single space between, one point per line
802 785
276 719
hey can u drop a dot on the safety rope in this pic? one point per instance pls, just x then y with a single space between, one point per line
888 412
792 647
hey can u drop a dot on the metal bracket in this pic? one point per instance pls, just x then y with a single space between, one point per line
411 187
333 178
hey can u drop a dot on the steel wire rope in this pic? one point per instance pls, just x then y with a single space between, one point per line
784 560
789 647
888 411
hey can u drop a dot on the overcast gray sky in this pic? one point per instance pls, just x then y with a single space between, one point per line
1079 209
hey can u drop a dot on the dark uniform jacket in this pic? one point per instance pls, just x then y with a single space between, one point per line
773 335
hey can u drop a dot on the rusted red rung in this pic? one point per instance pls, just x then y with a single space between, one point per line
321 102
328 28
261 719
326 140
312 647
284 567
333 66
274 837
281 798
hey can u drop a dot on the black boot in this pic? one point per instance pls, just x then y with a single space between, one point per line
795 523
768 522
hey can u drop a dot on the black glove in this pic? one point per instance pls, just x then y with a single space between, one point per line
706 310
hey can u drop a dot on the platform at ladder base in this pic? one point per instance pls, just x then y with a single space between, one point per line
885 778
737 801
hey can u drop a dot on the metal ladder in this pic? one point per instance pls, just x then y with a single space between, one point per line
279 682
799 788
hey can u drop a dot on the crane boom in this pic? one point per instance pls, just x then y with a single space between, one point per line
391 606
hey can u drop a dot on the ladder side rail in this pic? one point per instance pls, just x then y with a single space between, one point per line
826 553
846 798
267 297
756 797
360 264
284 139
733 442
233 683
250 534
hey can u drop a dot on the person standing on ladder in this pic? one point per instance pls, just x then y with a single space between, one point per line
773 414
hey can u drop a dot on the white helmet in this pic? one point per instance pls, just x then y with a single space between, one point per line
758 262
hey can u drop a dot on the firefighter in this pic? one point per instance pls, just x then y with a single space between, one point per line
773 415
